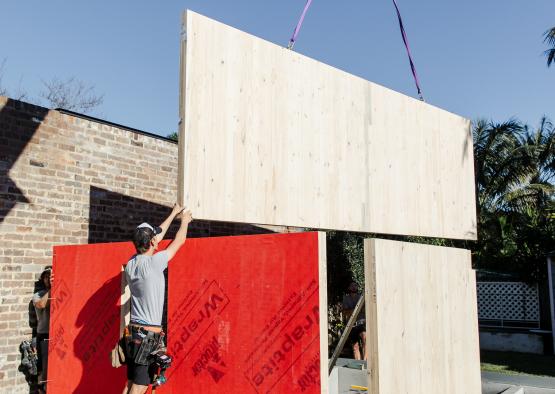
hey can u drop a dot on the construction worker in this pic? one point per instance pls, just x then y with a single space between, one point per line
145 276
357 337
41 301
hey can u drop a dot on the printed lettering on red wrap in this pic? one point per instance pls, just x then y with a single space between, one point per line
291 334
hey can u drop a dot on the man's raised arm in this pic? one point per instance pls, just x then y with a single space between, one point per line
166 223
181 236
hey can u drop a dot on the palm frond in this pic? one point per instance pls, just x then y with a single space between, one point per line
550 54
549 36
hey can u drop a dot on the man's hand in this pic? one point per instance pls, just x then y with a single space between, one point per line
177 208
186 217
166 223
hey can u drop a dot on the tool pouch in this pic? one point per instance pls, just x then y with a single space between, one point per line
148 344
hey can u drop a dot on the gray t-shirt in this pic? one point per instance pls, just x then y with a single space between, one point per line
43 314
350 302
145 277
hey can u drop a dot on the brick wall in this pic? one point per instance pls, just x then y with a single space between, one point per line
68 179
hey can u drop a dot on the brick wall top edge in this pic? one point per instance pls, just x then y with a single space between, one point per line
76 118
21 105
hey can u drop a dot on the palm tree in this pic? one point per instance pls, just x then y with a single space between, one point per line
496 170
549 39
515 172
535 189
515 166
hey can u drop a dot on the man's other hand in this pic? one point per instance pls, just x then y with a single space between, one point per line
186 216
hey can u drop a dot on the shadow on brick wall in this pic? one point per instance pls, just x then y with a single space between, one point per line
113 216
18 123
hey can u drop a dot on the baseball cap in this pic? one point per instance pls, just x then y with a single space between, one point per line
156 230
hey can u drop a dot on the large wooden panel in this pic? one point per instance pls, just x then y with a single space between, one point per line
422 319
246 314
272 137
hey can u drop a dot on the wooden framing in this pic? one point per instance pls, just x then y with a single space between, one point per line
422 319
270 136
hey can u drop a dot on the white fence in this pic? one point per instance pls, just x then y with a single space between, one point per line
508 304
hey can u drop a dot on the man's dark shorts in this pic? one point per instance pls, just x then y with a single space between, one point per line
137 373
140 374
354 336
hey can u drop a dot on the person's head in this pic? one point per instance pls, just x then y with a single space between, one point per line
45 276
144 238
353 288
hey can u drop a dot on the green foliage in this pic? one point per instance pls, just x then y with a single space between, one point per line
515 169
173 136
549 39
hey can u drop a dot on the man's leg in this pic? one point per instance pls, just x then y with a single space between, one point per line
127 387
363 340
44 347
138 389
42 358
356 350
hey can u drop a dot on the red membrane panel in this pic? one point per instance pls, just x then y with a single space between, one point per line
85 318
242 316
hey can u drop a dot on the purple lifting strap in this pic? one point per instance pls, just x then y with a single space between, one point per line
298 27
405 40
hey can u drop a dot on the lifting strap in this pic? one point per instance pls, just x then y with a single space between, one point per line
298 27
406 42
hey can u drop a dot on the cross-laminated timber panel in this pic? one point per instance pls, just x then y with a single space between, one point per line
421 319
270 136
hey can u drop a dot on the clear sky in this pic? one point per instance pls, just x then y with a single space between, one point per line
477 58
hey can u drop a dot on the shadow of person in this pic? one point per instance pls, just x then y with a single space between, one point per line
99 322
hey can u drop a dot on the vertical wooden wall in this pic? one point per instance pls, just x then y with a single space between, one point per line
422 319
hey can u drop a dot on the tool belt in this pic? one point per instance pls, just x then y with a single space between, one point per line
142 343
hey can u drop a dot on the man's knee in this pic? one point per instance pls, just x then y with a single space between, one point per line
138 389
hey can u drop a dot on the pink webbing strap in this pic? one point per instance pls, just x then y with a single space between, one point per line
405 40
298 27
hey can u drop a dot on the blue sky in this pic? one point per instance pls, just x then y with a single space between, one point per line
477 58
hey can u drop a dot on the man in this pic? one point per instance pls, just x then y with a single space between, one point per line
145 276
41 301
358 333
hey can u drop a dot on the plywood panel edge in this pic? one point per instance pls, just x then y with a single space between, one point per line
182 102
323 299
470 152
370 304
